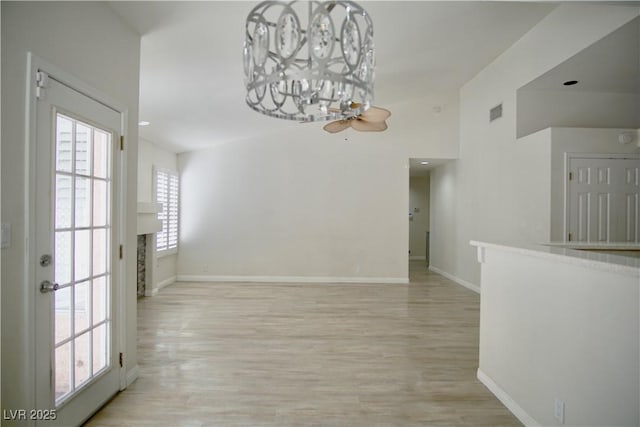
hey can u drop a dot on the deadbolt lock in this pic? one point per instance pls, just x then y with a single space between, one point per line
45 260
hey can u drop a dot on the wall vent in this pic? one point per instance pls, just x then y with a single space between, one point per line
495 113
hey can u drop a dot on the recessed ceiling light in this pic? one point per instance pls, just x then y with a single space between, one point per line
424 163
143 123
570 82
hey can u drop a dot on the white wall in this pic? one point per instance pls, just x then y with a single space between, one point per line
502 186
540 109
89 41
579 140
308 205
443 235
150 155
562 330
418 198
419 131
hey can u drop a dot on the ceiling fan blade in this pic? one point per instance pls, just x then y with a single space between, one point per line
367 126
337 126
376 114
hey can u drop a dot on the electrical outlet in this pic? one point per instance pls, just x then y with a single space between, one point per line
558 411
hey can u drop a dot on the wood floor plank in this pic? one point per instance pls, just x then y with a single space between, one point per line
259 354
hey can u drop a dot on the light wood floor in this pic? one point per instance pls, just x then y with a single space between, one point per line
310 354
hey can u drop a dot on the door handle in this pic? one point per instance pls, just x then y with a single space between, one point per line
47 286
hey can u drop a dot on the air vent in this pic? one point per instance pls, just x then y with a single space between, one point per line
495 113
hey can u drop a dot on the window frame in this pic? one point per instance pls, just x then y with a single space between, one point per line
166 249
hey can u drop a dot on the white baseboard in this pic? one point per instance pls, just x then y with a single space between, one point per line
506 400
468 285
291 279
132 375
150 292
166 282
418 258
163 284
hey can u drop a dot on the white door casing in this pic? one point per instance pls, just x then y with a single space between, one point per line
602 198
80 200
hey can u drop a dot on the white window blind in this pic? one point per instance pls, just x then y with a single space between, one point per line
167 188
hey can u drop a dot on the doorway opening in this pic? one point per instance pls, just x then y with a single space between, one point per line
421 212
75 193
419 182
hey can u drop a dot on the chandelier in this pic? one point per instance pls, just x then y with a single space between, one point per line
309 60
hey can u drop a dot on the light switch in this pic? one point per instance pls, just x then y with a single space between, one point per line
6 235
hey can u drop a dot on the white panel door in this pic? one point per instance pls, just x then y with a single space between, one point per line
603 200
77 367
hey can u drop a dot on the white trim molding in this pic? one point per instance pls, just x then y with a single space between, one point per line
152 292
120 224
132 375
292 279
459 281
568 157
166 282
507 400
481 254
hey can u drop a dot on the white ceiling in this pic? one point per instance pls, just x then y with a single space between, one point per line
417 168
612 64
191 78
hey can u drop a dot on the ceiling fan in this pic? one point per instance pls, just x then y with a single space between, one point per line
371 120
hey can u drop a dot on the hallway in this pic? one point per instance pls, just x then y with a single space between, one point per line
218 354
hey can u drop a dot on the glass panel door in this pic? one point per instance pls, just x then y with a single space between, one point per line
76 199
82 242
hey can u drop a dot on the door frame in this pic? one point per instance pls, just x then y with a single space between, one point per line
35 63
567 163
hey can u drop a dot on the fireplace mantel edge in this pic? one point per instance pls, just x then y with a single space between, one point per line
148 222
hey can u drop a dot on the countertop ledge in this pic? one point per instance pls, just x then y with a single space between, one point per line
570 253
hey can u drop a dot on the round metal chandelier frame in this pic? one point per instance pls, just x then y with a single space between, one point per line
309 60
